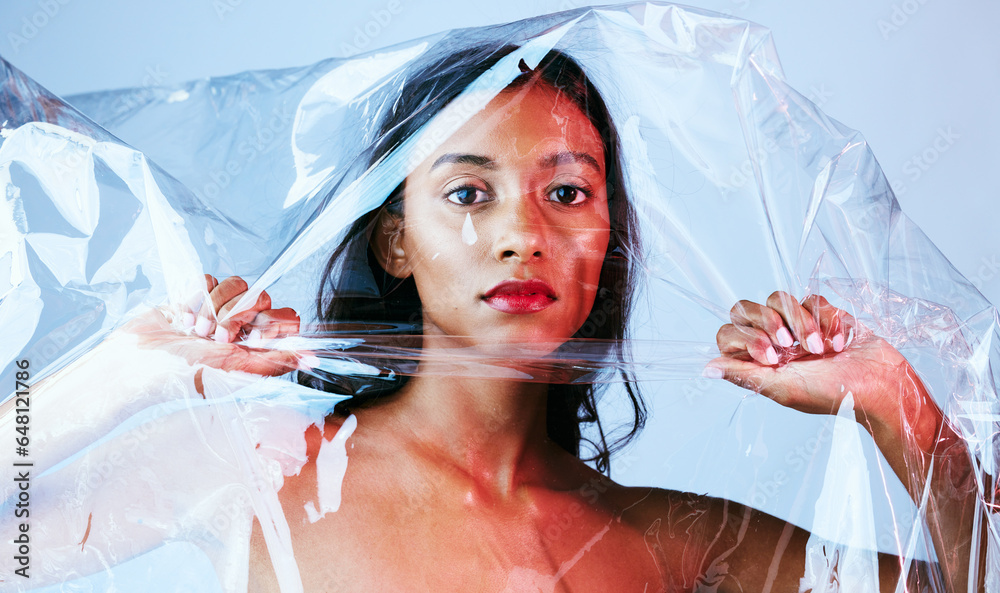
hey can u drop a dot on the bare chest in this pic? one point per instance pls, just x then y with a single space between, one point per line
405 538
467 556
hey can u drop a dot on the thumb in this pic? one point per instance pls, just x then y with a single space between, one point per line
745 374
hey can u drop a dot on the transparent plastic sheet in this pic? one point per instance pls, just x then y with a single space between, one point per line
150 463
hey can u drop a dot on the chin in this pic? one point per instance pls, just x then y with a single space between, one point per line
512 341
531 348
523 356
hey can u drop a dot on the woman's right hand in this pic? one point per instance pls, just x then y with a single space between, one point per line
228 345
98 449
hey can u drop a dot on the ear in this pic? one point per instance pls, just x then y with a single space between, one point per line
387 243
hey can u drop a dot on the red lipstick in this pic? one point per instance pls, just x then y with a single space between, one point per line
519 297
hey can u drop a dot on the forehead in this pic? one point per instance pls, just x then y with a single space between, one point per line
525 123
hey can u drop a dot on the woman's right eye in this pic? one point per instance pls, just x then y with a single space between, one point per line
467 195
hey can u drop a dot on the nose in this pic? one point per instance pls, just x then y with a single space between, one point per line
522 233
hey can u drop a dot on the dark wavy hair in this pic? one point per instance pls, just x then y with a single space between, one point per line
389 302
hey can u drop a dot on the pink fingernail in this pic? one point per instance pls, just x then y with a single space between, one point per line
308 362
785 339
838 342
711 372
772 356
203 326
187 320
814 343
221 335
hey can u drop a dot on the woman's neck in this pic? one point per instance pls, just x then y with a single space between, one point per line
490 431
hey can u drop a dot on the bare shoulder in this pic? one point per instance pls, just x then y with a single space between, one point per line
717 543
688 510
673 520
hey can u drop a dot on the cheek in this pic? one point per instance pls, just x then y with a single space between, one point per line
428 239
443 266
591 250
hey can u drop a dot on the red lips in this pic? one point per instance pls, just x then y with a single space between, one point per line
519 297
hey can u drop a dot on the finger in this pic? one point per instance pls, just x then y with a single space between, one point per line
190 309
835 324
218 296
229 326
735 339
765 318
274 323
226 291
742 373
804 328
205 317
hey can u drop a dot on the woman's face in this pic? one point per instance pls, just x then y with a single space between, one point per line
505 226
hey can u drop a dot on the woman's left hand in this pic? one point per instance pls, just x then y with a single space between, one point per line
808 356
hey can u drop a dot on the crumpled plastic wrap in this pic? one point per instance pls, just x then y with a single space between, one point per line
154 469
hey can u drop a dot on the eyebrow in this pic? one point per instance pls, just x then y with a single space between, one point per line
560 158
566 157
464 159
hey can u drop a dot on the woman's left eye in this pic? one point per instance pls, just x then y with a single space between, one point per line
567 194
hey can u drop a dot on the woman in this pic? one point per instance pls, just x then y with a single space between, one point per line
507 240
